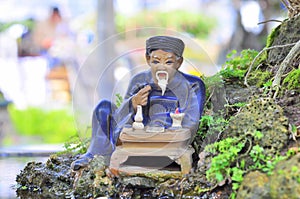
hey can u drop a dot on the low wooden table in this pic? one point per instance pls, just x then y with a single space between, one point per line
149 148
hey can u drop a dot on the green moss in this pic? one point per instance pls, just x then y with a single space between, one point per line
226 153
292 80
229 74
211 124
272 35
259 78
287 177
237 65
213 81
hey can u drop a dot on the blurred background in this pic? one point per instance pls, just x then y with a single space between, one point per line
59 57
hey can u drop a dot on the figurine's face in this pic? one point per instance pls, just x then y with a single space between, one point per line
163 65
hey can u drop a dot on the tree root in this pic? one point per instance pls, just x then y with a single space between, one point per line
287 60
259 54
246 154
270 20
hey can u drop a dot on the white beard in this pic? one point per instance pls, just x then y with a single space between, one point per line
162 81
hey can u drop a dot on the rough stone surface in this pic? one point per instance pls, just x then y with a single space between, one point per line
291 103
254 186
236 93
54 177
284 183
263 115
287 33
285 180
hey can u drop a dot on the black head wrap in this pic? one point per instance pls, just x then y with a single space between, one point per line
166 43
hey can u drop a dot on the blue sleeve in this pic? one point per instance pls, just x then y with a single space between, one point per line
125 113
194 105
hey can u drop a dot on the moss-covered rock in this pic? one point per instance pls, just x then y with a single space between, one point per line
254 186
53 178
287 33
263 115
285 181
291 103
259 78
292 80
93 181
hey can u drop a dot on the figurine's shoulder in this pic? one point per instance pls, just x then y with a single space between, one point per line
193 79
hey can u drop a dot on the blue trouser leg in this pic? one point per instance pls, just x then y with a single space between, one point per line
103 142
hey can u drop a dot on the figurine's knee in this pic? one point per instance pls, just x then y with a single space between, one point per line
102 117
104 109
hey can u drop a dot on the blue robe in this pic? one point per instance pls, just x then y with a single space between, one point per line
185 92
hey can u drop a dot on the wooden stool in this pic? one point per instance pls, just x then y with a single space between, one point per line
173 144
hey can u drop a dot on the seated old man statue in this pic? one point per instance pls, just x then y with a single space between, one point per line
160 91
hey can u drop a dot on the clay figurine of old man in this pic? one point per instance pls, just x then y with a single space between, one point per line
161 90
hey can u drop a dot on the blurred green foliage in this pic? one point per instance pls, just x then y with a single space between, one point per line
1 96
29 23
76 145
196 24
53 126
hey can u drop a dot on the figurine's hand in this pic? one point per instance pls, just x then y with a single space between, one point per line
141 98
